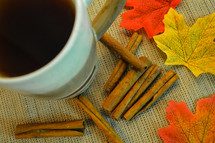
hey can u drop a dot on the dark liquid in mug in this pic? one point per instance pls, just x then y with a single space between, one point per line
32 33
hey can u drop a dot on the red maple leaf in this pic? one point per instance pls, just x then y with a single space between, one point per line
148 14
129 3
186 127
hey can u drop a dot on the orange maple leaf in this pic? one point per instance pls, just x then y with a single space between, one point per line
187 127
148 14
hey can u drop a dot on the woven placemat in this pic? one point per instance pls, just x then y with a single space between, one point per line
17 109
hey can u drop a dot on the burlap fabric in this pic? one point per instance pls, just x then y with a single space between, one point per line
17 109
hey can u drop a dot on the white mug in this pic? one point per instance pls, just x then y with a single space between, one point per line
73 69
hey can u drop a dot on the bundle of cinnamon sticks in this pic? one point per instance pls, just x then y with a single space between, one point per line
126 98
121 66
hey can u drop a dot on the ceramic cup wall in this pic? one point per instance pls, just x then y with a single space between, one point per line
73 69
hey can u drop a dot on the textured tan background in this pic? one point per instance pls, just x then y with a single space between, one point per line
17 109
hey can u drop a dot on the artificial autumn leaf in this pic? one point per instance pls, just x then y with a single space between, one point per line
148 14
129 3
193 47
186 127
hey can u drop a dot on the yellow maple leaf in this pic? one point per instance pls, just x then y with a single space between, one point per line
193 47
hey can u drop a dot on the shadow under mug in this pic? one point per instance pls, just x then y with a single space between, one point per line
73 69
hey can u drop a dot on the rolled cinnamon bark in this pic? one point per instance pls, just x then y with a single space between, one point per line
90 106
87 106
143 100
119 110
155 72
49 133
159 93
122 51
124 86
60 129
122 65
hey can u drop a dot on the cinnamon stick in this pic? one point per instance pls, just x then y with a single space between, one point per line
60 129
115 75
159 93
87 106
119 110
90 106
155 72
143 100
121 66
136 44
124 86
49 133
122 51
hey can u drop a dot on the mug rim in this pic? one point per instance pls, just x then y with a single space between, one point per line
57 58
